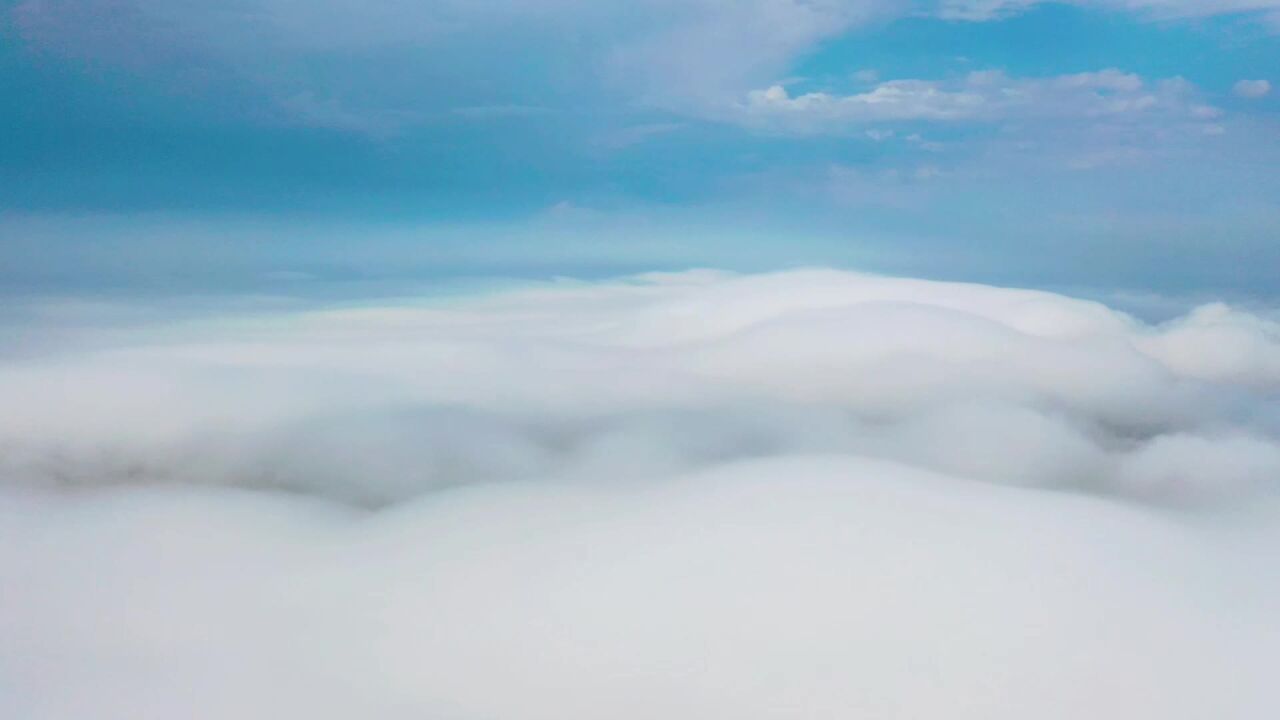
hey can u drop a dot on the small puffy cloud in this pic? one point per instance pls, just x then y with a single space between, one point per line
1252 89
983 96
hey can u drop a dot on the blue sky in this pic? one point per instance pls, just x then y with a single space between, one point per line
1128 145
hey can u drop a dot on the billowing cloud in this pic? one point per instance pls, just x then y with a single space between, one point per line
805 494
531 383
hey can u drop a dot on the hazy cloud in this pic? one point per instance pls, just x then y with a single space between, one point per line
1252 88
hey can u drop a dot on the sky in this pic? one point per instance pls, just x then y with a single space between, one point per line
281 146
681 359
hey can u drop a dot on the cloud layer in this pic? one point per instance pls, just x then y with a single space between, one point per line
802 494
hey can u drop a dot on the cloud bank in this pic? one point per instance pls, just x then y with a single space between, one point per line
802 494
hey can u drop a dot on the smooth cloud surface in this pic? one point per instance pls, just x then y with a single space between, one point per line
804 494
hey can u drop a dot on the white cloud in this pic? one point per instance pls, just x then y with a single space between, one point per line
1252 88
539 372
987 96
682 495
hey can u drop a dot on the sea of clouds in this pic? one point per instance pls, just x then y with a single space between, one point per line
809 494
